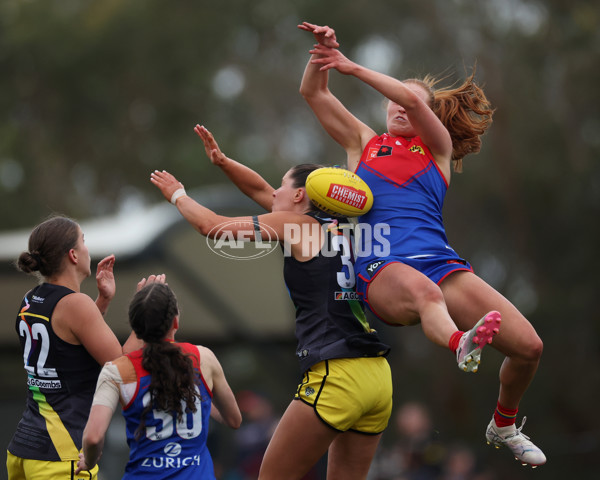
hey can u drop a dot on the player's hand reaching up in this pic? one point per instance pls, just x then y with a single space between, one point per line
160 278
166 183
324 35
332 58
217 157
105 278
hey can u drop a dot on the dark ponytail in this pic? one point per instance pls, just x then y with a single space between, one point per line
173 378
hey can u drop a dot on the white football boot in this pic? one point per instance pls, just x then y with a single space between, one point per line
517 442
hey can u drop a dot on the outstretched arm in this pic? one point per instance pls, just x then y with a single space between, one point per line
200 217
337 121
425 122
247 180
210 224
282 226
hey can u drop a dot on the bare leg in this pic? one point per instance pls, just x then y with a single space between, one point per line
350 456
402 295
299 441
468 298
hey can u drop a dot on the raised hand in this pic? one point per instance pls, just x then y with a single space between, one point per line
166 183
160 278
217 157
324 35
332 58
105 278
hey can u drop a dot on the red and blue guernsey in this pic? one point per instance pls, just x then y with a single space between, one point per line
405 221
168 448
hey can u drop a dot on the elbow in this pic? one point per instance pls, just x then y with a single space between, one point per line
92 439
203 230
308 94
233 419
236 422
304 91
207 228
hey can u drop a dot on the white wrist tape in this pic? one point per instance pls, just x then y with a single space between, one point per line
180 192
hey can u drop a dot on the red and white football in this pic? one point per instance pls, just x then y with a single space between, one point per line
339 192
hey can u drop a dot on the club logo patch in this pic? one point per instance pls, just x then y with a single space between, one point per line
379 151
384 151
417 149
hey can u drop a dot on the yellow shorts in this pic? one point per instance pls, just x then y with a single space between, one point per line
350 393
28 469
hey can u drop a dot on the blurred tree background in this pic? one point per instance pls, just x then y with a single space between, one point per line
96 94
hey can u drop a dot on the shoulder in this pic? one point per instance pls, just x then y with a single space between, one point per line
283 222
286 217
76 302
209 363
125 368
74 312
207 356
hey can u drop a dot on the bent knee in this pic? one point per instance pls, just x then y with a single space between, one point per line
425 292
537 347
530 349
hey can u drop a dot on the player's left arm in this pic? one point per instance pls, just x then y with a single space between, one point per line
106 399
205 220
225 408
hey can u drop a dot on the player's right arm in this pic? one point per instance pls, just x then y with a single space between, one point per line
77 320
247 180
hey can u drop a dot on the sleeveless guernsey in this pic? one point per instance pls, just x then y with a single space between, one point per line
168 447
330 319
61 379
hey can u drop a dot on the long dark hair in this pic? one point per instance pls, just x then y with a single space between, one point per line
299 174
49 242
173 378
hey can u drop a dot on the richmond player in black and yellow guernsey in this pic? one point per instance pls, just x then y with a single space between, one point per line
64 341
344 400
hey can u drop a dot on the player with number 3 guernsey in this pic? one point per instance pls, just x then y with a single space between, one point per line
344 399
